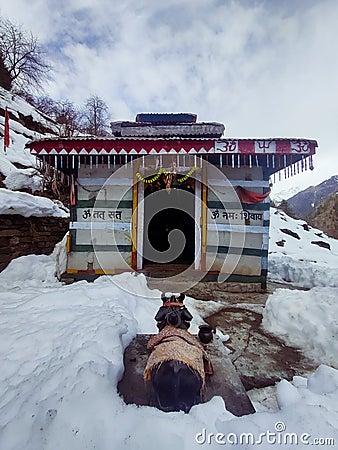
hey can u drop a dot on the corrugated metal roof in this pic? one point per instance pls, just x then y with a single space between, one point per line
166 118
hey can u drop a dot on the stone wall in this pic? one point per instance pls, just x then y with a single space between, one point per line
21 236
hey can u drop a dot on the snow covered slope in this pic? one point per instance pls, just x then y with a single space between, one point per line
301 254
25 123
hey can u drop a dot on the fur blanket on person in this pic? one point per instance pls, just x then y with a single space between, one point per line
172 344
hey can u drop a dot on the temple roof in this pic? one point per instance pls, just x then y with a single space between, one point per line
163 125
84 145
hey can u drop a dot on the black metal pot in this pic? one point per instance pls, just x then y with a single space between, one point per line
205 334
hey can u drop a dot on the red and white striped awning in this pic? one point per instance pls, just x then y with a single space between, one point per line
148 146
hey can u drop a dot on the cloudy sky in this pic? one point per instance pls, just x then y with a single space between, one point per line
264 68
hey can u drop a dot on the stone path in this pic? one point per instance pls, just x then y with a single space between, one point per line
260 358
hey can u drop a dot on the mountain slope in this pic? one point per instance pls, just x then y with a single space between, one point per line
285 194
306 201
325 216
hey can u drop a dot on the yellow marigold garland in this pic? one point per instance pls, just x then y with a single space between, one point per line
154 178
191 171
159 173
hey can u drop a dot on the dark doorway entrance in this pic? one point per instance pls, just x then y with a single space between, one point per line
168 222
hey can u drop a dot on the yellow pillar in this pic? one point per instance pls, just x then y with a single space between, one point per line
134 218
204 218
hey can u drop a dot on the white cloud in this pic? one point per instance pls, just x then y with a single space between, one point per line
263 68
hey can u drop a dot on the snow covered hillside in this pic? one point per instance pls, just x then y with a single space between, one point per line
25 123
306 320
300 254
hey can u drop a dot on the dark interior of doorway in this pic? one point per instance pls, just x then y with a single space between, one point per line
170 218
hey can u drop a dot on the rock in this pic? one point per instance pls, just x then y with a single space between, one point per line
290 233
322 244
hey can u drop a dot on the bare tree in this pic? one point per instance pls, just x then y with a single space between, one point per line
95 116
64 112
45 104
67 115
22 56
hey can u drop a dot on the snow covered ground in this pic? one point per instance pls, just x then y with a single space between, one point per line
62 349
15 178
307 320
19 178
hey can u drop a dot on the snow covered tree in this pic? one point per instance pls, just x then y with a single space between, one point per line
95 116
22 57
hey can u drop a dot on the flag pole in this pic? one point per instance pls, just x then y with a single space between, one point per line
6 131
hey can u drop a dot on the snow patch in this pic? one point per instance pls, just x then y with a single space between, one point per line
306 274
307 320
29 271
287 394
299 261
28 205
324 380
284 194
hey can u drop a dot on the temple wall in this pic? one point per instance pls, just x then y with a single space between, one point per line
101 220
237 233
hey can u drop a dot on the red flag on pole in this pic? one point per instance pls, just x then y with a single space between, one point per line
6 131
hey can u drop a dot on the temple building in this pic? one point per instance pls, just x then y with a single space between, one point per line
167 193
